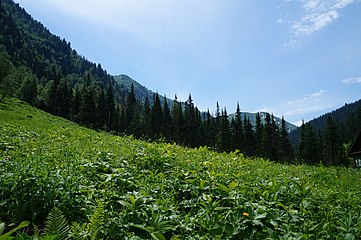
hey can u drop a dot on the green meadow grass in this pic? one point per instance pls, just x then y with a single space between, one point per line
131 189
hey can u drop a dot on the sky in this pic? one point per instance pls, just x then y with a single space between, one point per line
293 58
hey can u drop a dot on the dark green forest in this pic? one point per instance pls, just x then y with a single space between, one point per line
43 70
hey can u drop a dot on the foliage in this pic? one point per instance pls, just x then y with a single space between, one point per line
56 224
7 235
111 187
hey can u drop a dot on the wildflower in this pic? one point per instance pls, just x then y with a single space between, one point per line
246 214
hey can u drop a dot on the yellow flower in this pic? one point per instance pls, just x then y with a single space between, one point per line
246 214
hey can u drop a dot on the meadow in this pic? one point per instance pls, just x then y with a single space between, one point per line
70 182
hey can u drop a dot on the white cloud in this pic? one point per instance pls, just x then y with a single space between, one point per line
352 80
315 102
315 15
302 108
314 22
312 97
317 94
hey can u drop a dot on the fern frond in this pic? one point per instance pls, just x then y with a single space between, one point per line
96 221
78 231
56 224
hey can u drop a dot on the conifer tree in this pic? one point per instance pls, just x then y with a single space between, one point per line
249 137
218 116
331 144
101 110
63 99
130 111
285 147
110 107
53 97
258 136
6 82
190 122
177 121
76 105
157 118
308 149
237 130
267 140
166 119
29 90
88 107
147 122
223 140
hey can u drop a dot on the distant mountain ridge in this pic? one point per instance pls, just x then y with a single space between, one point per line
252 117
343 116
140 91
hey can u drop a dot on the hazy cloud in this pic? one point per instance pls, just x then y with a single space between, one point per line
297 109
352 80
311 97
153 22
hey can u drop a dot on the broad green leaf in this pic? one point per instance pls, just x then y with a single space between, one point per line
8 234
232 185
157 236
2 227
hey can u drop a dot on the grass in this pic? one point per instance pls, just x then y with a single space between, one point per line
111 187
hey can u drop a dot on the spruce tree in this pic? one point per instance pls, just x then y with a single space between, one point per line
308 148
130 109
88 107
267 140
258 136
177 121
6 82
331 143
110 107
76 105
190 123
237 130
223 140
285 147
249 137
166 119
101 110
29 90
147 122
157 118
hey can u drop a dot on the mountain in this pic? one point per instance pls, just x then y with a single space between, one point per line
30 44
252 117
141 92
347 117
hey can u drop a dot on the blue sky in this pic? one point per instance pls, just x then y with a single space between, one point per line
296 58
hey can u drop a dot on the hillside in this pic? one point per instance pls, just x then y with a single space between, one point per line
130 189
346 117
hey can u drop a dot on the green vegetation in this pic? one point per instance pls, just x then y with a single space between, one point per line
77 183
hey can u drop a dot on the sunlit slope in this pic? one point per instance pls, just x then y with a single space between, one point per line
163 191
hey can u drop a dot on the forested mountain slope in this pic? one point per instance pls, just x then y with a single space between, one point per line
348 117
